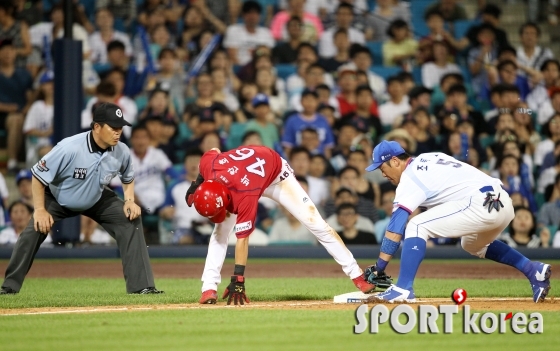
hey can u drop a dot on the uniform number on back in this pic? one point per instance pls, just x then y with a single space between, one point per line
255 168
443 162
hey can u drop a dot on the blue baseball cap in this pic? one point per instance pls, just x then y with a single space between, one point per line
23 174
260 99
47 77
383 152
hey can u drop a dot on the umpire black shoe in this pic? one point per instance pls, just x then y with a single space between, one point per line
149 291
7 291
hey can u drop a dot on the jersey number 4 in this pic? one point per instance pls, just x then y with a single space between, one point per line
443 162
255 168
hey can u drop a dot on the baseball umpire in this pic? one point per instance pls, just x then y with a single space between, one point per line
71 180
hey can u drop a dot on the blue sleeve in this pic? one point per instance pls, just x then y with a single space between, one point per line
48 167
127 169
398 221
289 135
329 137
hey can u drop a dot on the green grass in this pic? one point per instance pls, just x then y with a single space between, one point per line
245 329
49 292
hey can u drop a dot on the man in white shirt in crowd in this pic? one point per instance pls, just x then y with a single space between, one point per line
362 59
529 53
175 207
241 39
344 18
397 105
104 35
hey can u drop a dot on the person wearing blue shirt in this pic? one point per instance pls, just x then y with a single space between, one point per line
72 179
306 119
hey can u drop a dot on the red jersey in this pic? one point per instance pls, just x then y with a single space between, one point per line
345 107
246 172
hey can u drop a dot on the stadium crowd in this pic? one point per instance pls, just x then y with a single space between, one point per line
319 81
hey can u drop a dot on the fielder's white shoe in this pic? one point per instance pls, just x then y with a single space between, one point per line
394 294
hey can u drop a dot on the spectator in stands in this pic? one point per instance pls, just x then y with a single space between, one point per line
450 10
490 15
310 140
23 183
311 30
150 165
308 118
300 159
525 128
211 140
328 104
523 231
135 79
251 137
548 176
15 98
419 96
515 149
433 71
386 209
106 33
506 72
551 130
549 213
509 169
116 77
350 234
222 93
481 55
285 52
385 12
362 118
436 24
17 30
175 208
215 14
397 105
260 58
362 59
550 158
548 108
400 49
365 208
204 97
29 12
347 99
38 125
342 56
318 167
220 60
539 96
247 93
241 39
313 77
170 75
456 104
347 132
194 24
529 53
402 137
364 188
343 20
20 215
440 91
425 141
262 123
265 80
289 229
125 10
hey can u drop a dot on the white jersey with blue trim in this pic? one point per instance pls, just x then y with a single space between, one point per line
435 178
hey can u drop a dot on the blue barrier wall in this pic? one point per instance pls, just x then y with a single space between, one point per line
296 252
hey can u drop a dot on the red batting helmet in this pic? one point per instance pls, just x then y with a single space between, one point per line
211 200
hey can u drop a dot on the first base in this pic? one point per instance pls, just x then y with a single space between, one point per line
353 297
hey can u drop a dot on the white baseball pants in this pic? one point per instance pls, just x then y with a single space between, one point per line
291 195
467 219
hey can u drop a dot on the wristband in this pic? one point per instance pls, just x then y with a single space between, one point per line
129 200
239 269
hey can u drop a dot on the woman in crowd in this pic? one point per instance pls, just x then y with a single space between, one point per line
523 231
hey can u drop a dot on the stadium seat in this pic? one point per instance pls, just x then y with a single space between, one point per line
417 74
385 72
420 28
376 49
418 7
285 70
462 27
235 136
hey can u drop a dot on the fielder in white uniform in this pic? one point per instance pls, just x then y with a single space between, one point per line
461 201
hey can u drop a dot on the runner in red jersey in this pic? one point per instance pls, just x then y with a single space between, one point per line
227 192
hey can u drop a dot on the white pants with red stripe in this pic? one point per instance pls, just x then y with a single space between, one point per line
291 195
467 219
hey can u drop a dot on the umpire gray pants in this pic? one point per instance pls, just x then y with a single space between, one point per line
108 212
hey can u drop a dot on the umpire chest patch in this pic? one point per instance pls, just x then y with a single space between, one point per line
80 173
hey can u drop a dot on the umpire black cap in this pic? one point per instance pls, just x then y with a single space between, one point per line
110 114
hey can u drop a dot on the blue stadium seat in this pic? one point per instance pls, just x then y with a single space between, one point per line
235 136
385 72
462 27
420 29
376 49
418 7
417 74
285 70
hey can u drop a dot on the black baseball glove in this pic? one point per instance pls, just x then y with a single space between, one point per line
374 276
236 291
189 198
